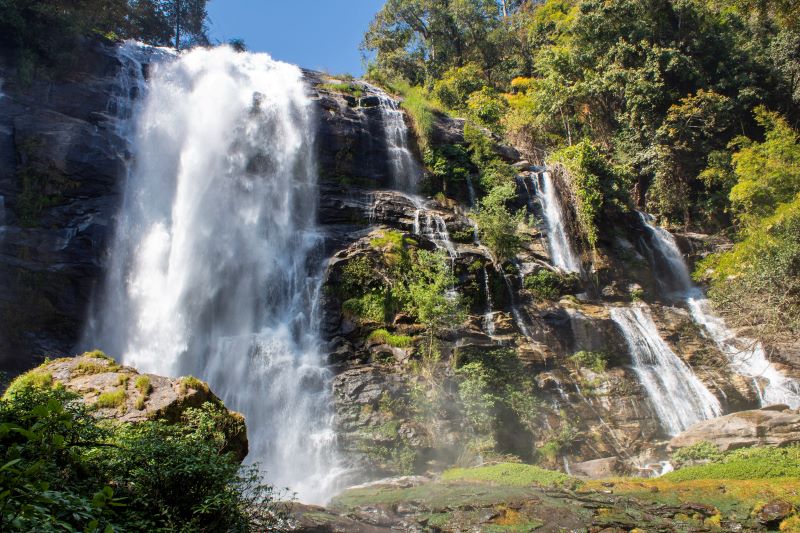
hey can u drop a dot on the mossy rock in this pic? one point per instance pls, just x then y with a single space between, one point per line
122 394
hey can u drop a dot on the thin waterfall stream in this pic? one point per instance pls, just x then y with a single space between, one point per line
746 356
217 261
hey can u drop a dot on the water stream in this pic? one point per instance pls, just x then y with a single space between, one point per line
746 356
677 396
216 265
562 252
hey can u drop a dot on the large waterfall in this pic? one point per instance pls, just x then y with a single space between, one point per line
217 263
678 397
746 356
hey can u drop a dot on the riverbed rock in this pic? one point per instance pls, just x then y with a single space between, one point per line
120 393
773 426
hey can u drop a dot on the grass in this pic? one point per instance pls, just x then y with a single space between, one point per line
97 354
113 399
88 367
746 464
191 382
344 88
143 385
509 474
385 337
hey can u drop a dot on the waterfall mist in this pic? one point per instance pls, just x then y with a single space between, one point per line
217 263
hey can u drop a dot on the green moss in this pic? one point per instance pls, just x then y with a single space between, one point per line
509 474
113 399
385 337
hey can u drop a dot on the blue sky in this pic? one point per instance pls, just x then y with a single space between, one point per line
316 34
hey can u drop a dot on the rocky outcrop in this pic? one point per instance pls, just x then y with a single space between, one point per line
61 167
122 394
776 425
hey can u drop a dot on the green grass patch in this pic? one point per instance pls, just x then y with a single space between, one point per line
747 463
370 307
143 385
385 337
97 354
350 88
191 382
88 367
112 399
509 474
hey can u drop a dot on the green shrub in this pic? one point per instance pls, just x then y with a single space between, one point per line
486 107
384 337
369 307
357 275
544 284
191 382
596 361
497 226
458 84
33 379
702 451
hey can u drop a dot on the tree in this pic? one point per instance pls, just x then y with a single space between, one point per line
497 226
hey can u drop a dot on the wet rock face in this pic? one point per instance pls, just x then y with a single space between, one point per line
61 169
772 426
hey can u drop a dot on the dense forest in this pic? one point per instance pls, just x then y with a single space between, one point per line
685 109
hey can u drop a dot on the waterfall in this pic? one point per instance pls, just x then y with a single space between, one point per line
746 356
216 265
404 168
678 397
561 250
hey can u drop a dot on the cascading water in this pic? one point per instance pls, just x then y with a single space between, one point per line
216 264
746 356
678 397
561 250
404 168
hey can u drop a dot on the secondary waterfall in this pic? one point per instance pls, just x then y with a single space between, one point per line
678 397
217 263
561 250
746 356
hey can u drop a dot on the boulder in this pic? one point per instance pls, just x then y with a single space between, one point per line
772 426
121 393
598 468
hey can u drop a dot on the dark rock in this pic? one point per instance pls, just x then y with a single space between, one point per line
771 514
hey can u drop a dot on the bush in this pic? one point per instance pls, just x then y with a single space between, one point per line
457 85
497 225
487 108
702 451
108 400
369 307
509 474
544 284
62 470
596 361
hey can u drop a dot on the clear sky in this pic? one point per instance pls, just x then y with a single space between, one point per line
316 34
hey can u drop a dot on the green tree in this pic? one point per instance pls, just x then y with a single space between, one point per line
497 225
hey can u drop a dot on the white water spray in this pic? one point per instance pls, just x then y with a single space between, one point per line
678 397
216 269
746 356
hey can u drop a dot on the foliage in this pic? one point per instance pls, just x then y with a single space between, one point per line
346 87
486 108
38 379
497 225
757 282
596 361
385 337
62 470
425 291
457 84
597 187
370 306
111 399
702 451
745 463
513 474
357 275
544 284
